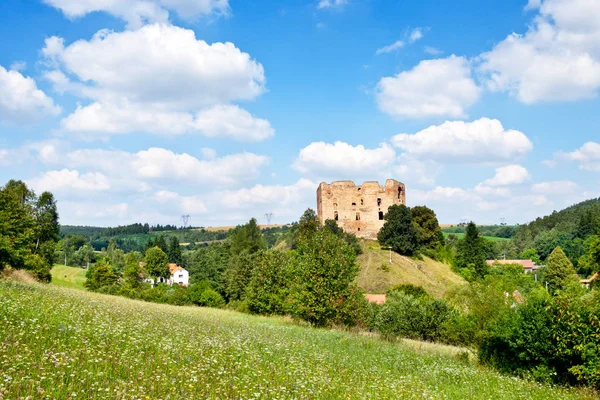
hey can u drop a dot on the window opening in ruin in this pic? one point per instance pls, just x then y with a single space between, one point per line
353 204
335 216
358 216
359 229
378 202
359 189
362 202
399 193
334 205
381 215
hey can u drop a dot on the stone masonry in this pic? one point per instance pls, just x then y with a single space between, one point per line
358 209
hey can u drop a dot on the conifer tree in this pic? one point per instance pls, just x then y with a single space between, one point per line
470 254
559 271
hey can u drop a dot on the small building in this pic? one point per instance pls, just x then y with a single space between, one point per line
588 282
528 265
179 276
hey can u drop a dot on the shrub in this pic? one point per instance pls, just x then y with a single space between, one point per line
210 298
409 289
269 285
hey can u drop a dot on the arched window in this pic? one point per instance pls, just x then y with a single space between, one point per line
358 216
335 215
381 215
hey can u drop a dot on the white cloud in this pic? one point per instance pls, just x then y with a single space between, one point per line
556 188
18 66
158 79
343 159
331 3
65 179
392 47
434 88
157 164
228 121
588 156
509 175
441 193
416 34
138 12
208 153
433 51
557 59
491 191
185 204
20 99
481 141
159 65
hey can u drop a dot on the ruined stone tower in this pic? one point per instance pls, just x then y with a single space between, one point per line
358 209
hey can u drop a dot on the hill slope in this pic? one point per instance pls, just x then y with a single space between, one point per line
72 277
377 274
60 342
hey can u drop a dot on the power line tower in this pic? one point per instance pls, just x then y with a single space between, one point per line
502 221
185 219
269 217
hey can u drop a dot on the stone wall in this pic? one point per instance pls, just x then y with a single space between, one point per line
358 209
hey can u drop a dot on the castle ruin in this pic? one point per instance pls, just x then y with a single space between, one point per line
358 209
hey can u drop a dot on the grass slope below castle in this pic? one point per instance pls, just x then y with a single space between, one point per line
61 342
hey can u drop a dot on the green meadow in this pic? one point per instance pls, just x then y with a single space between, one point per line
71 277
60 343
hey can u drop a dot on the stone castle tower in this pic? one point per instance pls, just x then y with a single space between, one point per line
358 209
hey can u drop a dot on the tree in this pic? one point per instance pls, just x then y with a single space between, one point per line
308 224
208 263
269 284
530 254
429 234
157 263
48 229
588 225
132 271
238 275
398 231
174 252
100 275
470 254
161 243
559 272
247 238
85 255
323 291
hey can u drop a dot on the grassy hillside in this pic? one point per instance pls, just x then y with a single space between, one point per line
377 274
71 277
461 235
64 343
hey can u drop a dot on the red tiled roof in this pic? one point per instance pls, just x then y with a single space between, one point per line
527 264
375 298
173 268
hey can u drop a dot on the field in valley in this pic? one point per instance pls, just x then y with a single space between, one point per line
66 344
71 277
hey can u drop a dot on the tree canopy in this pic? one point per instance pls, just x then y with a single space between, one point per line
399 231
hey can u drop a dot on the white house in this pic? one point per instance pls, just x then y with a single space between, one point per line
178 276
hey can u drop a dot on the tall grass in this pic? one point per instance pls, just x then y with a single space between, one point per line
69 344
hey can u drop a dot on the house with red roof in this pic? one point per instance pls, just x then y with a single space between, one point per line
528 265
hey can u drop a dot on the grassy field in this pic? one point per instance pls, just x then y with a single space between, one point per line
461 235
377 274
67 344
70 277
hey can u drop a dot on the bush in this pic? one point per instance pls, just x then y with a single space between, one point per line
416 318
409 289
269 285
210 298
177 295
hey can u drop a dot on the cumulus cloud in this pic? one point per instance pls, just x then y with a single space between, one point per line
65 179
185 204
557 59
138 12
434 88
481 141
588 157
159 79
342 159
229 121
509 175
556 188
20 99
415 35
158 164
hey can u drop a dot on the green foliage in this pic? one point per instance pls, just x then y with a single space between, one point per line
398 231
419 318
559 272
100 275
410 290
349 238
132 272
202 294
174 252
530 254
28 229
238 274
322 291
246 238
429 234
157 263
208 263
268 288
471 254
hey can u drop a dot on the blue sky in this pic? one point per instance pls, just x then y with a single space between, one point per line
227 110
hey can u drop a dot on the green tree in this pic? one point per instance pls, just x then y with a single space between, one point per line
157 263
559 272
530 254
208 263
174 253
161 243
587 225
100 275
17 226
398 231
269 284
85 255
429 234
132 272
323 291
470 254
48 229
247 238
238 274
